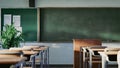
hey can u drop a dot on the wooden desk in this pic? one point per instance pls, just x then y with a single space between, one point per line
44 56
8 57
30 52
43 52
6 62
97 49
40 48
91 54
30 57
112 53
12 60
34 50
27 52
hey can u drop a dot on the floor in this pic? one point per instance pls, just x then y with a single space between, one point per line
70 66
61 67
58 66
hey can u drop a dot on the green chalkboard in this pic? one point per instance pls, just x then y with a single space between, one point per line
28 21
65 24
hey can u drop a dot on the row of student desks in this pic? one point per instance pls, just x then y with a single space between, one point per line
24 57
100 56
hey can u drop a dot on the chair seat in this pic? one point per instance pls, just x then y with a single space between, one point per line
112 62
95 62
37 60
93 58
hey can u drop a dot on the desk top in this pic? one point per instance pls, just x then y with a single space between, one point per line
11 60
109 53
30 52
25 51
40 48
97 49
112 53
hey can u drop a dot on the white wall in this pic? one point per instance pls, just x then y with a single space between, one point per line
59 53
14 3
59 3
77 3
62 53
0 21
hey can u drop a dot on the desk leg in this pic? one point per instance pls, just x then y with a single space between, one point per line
103 62
41 62
33 61
47 58
84 59
90 62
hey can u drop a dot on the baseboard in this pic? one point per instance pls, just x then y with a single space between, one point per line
61 65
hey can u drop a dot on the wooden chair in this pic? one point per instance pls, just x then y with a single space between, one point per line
111 56
93 56
77 44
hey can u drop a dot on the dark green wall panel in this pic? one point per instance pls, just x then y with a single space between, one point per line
28 21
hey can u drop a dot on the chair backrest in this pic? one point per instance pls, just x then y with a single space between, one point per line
111 49
111 57
97 47
77 44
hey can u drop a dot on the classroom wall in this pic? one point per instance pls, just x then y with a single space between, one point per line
78 3
61 53
0 21
60 3
14 3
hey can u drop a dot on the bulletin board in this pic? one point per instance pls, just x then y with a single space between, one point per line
28 21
